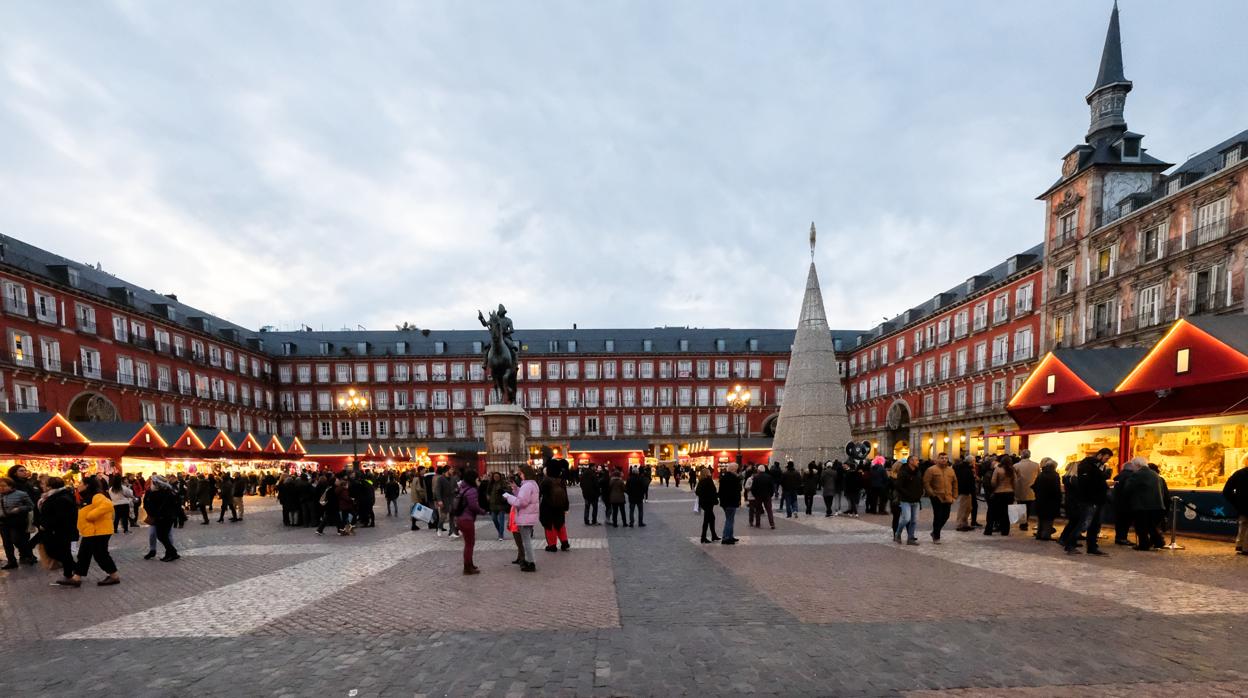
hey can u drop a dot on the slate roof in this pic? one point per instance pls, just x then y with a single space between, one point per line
422 343
1210 160
1101 369
26 424
1024 260
39 262
109 432
1231 330
1111 72
53 268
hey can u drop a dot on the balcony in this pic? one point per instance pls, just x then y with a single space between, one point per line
1207 233
1062 241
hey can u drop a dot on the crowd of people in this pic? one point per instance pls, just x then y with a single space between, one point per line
53 513
1015 491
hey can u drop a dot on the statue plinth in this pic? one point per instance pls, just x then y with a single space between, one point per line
506 438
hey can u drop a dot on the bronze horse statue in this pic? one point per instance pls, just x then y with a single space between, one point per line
502 355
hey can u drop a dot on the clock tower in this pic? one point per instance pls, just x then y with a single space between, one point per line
1101 180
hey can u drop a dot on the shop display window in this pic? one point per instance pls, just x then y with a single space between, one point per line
1194 454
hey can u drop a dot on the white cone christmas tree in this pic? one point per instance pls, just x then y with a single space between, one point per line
814 421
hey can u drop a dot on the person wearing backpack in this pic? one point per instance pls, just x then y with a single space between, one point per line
464 511
553 513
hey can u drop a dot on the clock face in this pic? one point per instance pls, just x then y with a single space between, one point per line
1068 167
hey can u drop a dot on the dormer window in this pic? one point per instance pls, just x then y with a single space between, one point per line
1131 149
1233 156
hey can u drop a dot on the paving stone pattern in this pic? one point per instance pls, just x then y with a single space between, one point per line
815 607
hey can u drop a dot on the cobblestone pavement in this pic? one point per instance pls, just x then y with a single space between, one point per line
818 606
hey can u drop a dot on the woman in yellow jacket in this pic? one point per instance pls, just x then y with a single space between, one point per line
95 525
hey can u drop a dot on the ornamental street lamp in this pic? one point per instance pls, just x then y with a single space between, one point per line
353 404
738 401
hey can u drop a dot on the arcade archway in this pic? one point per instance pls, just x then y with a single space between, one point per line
91 407
897 429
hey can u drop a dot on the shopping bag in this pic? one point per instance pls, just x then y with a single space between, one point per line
511 522
1018 513
420 512
695 507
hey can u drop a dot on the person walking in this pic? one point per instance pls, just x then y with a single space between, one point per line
391 490
499 508
1025 472
161 505
762 488
964 473
827 481
1091 491
94 530
1048 498
553 512
1001 486
444 490
1146 499
637 488
58 521
909 488
590 493
810 486
207 491
16 509
1235 491
225 490
876 479
852 486
730 501
525 502
941 485
466 507
708 497
1123 515
616 495
240 484
121 496
790 484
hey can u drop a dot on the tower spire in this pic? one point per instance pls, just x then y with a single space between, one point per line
812 241
1109 95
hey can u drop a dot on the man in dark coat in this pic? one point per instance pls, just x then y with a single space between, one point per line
1092 484
762 488
1048 490
636 487
729 500
1144 496
589 490
207 490
1236 493
791 483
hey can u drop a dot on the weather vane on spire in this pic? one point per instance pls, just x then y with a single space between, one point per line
812 241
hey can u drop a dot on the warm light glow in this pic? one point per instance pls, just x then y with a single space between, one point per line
1182 360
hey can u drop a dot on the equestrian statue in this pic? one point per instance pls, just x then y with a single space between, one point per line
502 356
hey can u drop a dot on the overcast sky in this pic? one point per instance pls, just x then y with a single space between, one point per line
627 164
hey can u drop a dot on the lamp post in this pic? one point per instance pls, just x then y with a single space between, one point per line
353 403
738 400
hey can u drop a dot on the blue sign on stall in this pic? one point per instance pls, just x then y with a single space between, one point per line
1206 511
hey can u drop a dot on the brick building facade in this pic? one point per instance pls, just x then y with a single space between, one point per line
83 343
1131 247
937 377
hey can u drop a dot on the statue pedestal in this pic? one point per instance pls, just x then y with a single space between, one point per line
506 438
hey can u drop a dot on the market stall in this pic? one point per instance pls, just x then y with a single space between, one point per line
1182 404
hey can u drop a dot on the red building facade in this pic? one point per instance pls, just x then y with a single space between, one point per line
85 344
937 377
91 347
